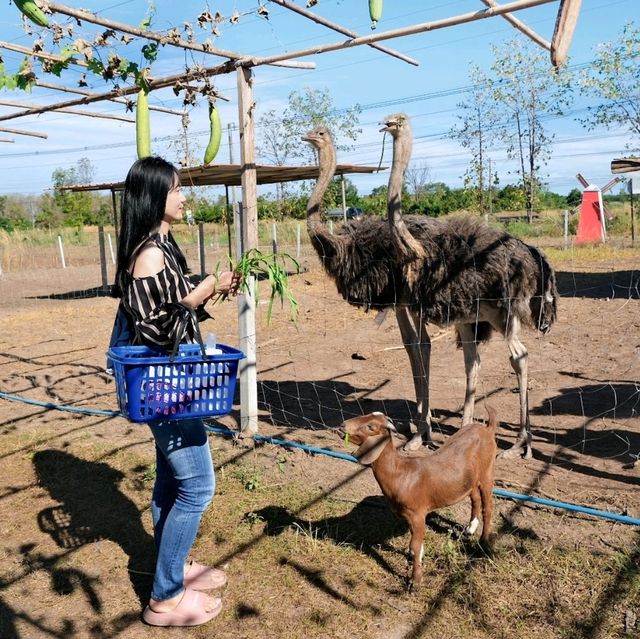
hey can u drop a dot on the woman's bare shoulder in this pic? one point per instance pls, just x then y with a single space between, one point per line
149 262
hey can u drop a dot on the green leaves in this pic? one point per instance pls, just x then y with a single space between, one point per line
612 80
273 267
150 51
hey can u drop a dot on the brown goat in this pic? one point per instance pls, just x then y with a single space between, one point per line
415 486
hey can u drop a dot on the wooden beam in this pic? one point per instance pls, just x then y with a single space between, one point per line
625 165
563 33
87 16
89 114
340 29
248 240
64 89
398 33
33 134
225 67
521 26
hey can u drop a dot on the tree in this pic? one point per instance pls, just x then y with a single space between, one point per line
613 80
574 197
76 208
526 91
476 132
280 133
417 178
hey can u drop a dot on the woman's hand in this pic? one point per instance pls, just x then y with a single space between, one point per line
227 283
213 287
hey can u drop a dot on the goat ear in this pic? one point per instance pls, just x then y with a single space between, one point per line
370 449
391 427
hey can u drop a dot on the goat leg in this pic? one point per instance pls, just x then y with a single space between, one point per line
416 546
486 494
474 520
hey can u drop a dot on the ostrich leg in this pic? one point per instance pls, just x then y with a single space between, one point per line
471 366
519 362
417 343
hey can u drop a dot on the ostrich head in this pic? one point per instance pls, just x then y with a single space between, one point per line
395 123
320 138
399 126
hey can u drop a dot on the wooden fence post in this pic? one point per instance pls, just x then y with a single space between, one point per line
203 270
103 259
64 265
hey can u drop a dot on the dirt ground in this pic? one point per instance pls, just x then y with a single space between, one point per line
74 520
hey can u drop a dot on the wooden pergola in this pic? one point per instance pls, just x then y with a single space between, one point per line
231 175
247 173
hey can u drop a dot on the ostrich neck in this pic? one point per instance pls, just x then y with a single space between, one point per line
406 245
327 169
401 156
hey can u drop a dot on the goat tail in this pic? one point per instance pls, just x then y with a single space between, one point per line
544 303
492 424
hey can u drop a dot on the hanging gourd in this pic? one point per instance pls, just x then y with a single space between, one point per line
32 11
215 134
143 128
375 12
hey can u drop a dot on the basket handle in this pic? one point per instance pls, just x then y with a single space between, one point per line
187 314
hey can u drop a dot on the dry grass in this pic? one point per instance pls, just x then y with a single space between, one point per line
312 550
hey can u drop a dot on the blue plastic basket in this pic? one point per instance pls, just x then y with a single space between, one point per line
152 386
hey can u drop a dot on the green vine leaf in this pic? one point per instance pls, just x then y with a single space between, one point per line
150 51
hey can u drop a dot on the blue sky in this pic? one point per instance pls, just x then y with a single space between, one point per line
380 84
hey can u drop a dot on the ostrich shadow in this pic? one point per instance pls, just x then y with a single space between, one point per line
619 400
91 509
324 405
87 293
369 526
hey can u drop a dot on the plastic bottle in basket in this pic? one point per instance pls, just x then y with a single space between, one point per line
211 349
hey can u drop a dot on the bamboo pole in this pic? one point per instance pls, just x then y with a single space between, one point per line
40 54
225 67
422 27
521 26
340 29
89 114
65 89
563 32
34 134
163 39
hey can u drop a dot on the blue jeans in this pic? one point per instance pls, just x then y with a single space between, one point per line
185 485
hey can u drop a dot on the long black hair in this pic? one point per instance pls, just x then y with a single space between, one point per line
146 187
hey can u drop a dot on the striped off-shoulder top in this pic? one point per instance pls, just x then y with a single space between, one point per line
151 301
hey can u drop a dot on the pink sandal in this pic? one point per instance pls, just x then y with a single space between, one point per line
191 611
199 577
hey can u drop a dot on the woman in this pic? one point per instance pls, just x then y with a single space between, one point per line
152 281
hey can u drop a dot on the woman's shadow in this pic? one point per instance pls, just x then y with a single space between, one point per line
91 509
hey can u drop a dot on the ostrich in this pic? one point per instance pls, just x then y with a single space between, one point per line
460 271
366 274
